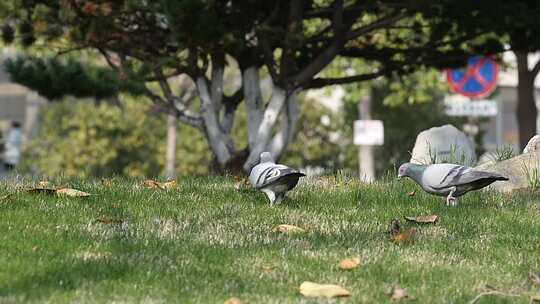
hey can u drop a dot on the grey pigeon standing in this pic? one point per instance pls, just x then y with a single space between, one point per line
448 180
273 179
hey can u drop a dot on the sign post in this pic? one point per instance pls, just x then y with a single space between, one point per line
367 133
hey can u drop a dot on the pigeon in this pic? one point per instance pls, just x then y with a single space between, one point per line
448 180
273 179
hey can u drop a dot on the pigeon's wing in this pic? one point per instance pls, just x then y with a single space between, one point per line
461 175
437 175
268 173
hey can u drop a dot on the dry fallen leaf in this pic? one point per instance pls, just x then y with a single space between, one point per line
233 300
399 293
314 290
269 267
42 190
109 220
348 264
240 182
44 184
533 277
107 182
169 184
423 219
284 228
394 227
151 184
412 193
404 236
71 192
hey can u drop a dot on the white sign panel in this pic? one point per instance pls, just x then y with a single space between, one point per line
368 132
460 107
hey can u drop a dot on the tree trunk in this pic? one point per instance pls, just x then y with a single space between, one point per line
170 162
264 130
526 107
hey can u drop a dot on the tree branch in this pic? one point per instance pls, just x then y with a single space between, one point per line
535 69
184 115
322 82
382 22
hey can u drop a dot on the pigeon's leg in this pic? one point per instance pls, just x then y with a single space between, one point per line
450 199
279 198
271 196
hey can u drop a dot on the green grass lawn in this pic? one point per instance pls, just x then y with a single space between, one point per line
204 242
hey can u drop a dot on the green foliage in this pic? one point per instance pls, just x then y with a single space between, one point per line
531 171
319 141
82 139
54 78
503 153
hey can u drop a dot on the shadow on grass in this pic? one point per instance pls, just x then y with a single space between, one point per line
62 277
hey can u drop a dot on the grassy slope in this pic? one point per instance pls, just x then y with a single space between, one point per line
205 241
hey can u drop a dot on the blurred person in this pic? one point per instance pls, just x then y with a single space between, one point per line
12 145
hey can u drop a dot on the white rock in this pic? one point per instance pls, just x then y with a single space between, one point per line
443 144
533 145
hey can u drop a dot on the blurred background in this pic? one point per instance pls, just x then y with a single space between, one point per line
106 125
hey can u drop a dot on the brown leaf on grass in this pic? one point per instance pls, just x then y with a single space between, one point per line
394 227
399 293
71 192
233 300
314 290
240 182
60 191
348 264
169 184
106 182
404 236
269 267
412 193
109 220
151 184
288 229
42 190
44 184
423 219
534 278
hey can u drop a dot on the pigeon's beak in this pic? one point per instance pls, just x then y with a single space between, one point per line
399 176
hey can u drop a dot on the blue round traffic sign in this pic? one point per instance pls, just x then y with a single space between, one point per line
477 80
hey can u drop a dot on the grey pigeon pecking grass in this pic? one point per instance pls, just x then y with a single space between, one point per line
448 180
273 179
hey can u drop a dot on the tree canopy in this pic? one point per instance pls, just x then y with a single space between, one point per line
294 41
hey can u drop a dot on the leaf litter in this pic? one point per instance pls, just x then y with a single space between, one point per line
315 290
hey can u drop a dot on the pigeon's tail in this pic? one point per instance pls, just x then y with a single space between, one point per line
501 178
291 179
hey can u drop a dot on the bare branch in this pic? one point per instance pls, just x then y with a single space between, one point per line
382 22
322 82
184 115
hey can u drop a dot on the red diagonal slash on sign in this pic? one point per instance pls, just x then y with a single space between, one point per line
473 72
